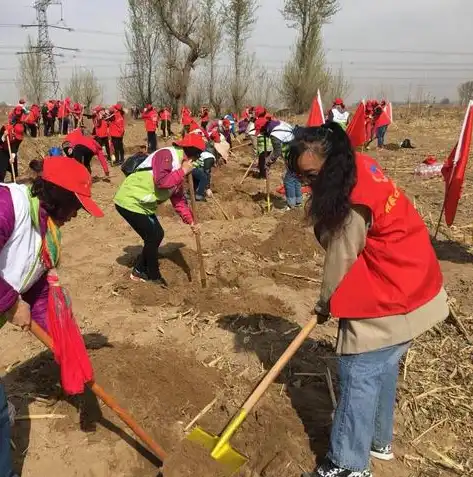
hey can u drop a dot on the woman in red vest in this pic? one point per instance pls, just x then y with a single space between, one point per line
381 279
116 129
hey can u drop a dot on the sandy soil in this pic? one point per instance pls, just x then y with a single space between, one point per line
165 354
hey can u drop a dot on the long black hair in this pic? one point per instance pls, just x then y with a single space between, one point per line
58 202
332 186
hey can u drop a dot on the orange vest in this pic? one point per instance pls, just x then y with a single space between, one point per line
397 271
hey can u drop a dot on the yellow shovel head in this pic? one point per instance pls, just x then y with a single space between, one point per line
226 455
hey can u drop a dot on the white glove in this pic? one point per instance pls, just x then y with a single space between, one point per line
209 193
11 413
12 157
4 137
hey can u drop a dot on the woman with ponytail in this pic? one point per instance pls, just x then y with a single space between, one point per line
30 219
382 281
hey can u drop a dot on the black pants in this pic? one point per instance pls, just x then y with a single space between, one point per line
32 129
152 141
150 230
166 127
5 165
103 141
262 164
64 122
204 124
48 126
119 150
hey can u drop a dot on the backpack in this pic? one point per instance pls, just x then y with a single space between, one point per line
132 163
406 144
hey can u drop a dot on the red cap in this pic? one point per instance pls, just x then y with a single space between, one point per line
71 175
17 110
215 136
226 123
260 111
18 131
192 140
98 108
118 106
338 102
260 123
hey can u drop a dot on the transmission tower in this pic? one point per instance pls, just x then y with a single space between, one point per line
44 44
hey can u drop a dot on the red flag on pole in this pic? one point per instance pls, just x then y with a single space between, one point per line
455 166
316 115
356 129
389 111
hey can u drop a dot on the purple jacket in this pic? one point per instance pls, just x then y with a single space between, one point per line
37 295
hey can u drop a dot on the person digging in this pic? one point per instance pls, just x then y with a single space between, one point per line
381 278
30 219
158 178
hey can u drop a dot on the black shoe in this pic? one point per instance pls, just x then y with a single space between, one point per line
329 469
138 276
382 453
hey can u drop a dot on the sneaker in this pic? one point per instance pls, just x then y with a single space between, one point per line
382 453
200 198
329 469
138 276
299 205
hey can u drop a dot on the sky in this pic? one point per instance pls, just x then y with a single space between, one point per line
392 48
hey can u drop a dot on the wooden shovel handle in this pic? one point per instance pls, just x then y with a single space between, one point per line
12 162
273 373
109 400
203 275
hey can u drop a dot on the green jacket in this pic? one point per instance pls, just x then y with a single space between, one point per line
138 192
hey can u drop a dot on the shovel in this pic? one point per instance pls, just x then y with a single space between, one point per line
219 446
203 276
12 161
42 336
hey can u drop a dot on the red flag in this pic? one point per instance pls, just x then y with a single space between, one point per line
316 115
383 120
356 129
455 166
389 111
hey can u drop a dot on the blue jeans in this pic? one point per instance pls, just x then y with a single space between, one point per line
6 469
201 181
380 133
365 411
293 187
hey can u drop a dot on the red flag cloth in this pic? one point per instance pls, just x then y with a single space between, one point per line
383 120
68 344
316 115
389 110
356 129
455 166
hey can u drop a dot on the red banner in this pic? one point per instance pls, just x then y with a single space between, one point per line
455 166
316 115
356 129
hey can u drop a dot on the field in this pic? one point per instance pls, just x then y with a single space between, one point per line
166 354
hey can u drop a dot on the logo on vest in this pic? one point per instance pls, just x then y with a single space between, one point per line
392 199
377 174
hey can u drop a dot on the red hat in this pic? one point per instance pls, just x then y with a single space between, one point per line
71 175
226 123
18 110
98 108
260 123
191 140
215 136
118 106
260 111
19 131
338 102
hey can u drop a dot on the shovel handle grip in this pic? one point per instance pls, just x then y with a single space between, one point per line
274 372
198 243
109 400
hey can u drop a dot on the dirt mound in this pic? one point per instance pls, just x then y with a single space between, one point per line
291 239
164 388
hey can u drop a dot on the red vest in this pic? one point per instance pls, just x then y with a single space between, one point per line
397 271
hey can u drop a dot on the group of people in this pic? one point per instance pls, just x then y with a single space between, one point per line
381 277
377 119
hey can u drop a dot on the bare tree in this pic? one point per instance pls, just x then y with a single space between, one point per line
182 20
213 21
264 89
338 86
307 71
239 22
31 75
465 92
138 83
84 87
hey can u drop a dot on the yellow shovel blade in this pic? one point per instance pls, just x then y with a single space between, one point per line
226 456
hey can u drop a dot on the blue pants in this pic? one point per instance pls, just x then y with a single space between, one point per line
380 133
365 411
201 181
6 469
292 185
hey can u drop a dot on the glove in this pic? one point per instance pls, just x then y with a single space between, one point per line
12 157
209 193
